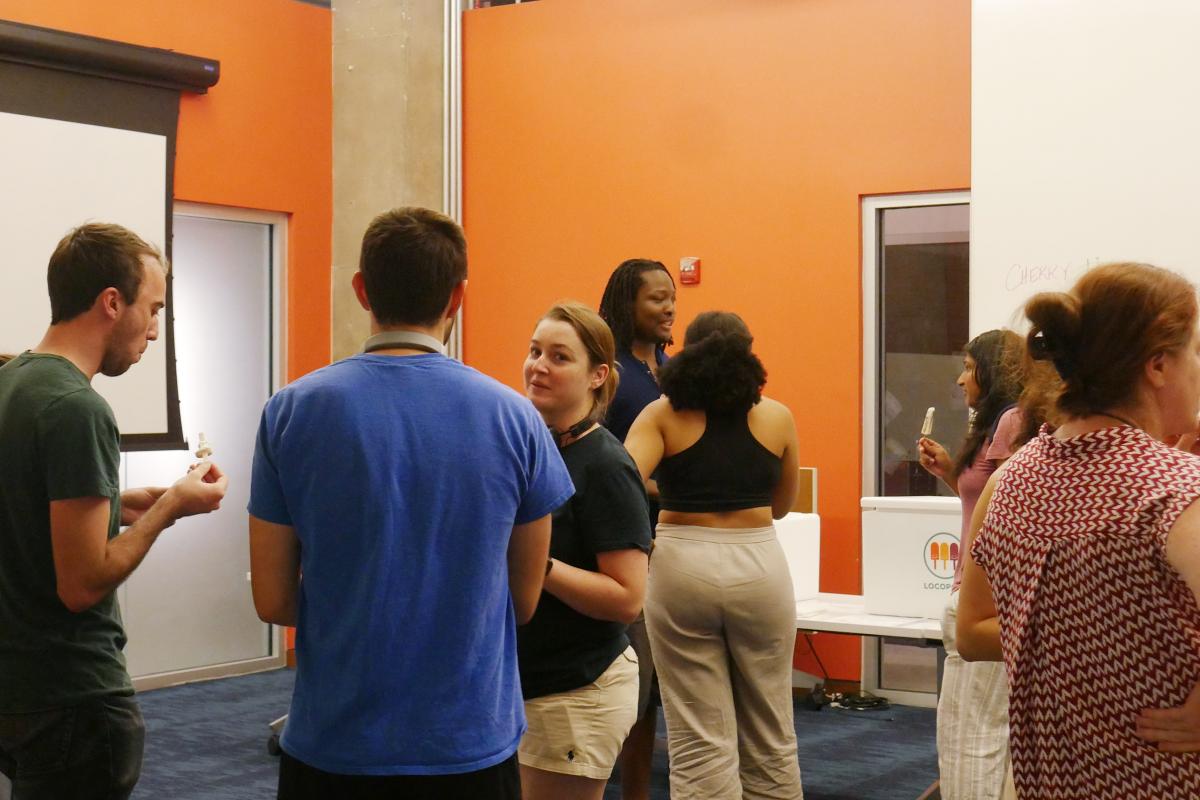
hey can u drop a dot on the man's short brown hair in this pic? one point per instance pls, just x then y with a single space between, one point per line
412 258
90 259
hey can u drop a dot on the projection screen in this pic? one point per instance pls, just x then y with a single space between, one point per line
87 134
57 175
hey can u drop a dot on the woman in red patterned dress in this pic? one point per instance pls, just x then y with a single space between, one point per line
1085 569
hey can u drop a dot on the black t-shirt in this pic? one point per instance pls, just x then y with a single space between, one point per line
561 649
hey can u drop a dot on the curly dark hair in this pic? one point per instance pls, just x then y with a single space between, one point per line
994 353
715 372
620 297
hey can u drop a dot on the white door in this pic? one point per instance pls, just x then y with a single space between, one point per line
188 606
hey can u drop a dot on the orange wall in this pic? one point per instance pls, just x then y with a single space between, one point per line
261 138
744 133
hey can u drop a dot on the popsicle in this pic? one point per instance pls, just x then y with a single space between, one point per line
203 448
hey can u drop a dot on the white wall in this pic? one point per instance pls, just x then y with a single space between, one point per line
1085 143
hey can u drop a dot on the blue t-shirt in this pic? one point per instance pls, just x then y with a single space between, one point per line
637 389
403 477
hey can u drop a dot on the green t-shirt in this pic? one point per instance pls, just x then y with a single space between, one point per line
58 440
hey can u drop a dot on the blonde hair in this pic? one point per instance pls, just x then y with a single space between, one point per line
597 339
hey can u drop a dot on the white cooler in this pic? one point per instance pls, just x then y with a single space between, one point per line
909 549
800 537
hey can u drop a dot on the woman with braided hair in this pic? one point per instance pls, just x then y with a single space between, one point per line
639 307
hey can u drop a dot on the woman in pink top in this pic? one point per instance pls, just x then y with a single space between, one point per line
972 721
990 388
1085 570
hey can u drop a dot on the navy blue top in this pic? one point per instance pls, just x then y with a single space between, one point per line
403 477
637 389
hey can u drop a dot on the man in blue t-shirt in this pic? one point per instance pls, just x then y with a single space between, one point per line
413 494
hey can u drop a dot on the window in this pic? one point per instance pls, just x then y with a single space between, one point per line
915 326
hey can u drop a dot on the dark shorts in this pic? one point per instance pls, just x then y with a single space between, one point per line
299 781
92 751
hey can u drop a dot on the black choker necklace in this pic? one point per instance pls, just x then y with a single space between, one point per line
1121 420
573 432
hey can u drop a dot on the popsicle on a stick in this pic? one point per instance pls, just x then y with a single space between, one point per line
203 448
927 426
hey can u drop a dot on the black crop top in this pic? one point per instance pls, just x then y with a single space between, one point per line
727 469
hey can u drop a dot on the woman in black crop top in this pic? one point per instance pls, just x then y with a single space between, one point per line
719 603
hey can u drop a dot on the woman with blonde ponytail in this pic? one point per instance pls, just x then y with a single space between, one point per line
1084 573
579 676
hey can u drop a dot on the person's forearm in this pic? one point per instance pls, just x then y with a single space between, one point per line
593 594
951 481
122 555
284 610
980 641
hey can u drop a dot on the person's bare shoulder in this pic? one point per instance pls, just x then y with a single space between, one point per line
773 410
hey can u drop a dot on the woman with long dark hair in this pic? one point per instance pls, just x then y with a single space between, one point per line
719 603
972 722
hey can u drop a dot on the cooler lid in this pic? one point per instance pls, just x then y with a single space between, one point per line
949 505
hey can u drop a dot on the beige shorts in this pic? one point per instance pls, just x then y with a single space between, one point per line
580 732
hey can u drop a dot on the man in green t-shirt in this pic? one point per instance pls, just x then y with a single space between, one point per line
69 726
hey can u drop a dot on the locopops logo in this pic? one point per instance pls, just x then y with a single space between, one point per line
941 559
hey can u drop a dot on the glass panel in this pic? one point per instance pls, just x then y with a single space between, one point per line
923 279
907 667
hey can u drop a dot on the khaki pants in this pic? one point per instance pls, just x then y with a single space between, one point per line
722 622
1010 788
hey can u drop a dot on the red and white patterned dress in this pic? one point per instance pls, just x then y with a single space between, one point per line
1095 624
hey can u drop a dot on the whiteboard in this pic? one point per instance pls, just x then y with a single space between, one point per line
1085 144
54 176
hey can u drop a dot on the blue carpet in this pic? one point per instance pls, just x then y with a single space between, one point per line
208 741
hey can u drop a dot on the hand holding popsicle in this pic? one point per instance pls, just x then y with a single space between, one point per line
931 455
203 451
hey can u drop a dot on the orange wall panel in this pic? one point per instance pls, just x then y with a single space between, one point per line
744 133
261 138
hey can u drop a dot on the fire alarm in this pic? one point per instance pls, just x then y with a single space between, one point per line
689 270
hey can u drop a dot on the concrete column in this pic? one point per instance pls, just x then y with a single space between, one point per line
387 131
